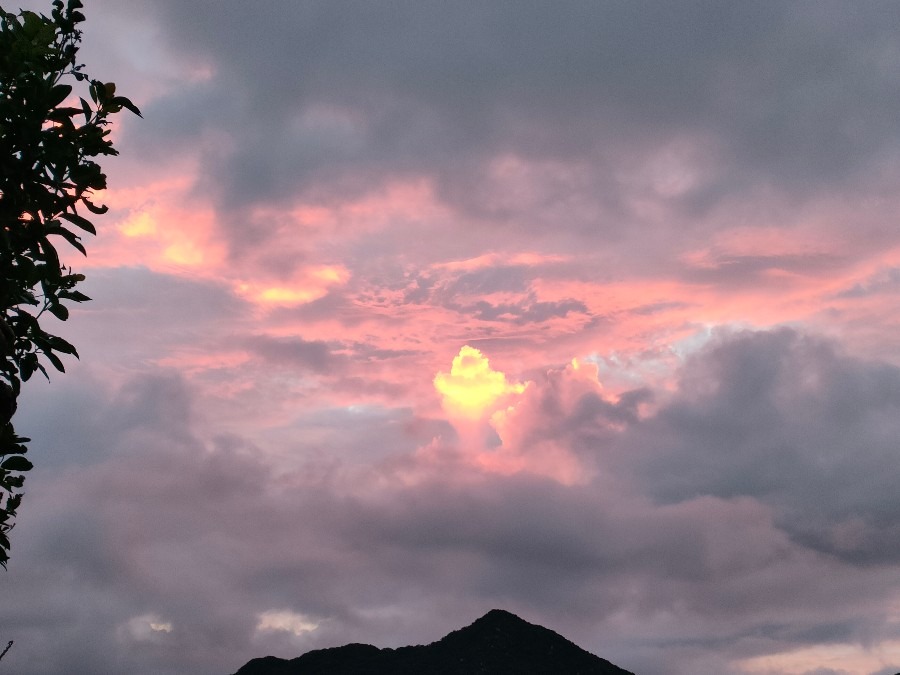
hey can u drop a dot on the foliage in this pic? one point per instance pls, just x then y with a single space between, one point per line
48 139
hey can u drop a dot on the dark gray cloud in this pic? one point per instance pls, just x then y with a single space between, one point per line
725 271
525 311
512 278
82 420
331 358
136 311
464 294
314 355
790 421
325 99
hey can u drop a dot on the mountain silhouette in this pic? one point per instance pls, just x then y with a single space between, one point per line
499 643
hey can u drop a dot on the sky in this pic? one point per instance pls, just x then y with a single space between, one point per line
407 310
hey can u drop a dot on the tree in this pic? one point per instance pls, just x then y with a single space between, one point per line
49 137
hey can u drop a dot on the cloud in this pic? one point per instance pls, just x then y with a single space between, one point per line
323 202
313 284
472 389
884 281
285 621
507 109
522 312
314 355
146 627
786 419
706 566
535 429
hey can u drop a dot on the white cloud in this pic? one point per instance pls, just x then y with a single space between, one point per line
285 621
146 628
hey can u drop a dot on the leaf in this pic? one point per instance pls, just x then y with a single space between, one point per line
15 481
61 312
50 255
70 237
16 463
93 208
63 114
79 221
58 94
74 296
87 110
126 103
13 503
54 359
27 366
31 23
61 345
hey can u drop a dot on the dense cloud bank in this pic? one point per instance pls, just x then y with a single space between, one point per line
706 533
354 94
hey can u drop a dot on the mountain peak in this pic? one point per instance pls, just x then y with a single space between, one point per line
500 615
498 643
501 642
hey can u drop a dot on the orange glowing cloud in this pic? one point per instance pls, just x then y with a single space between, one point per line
165 246
158 226
313 283
472 388
488 260
483 404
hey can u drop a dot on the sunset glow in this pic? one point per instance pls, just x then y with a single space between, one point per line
406 311
472 387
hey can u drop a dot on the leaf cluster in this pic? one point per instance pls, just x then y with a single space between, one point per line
50 140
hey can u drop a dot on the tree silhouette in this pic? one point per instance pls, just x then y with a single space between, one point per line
49 136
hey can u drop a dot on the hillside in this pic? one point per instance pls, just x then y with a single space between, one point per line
499 643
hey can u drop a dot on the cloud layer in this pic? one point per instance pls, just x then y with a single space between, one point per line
409 310
698 535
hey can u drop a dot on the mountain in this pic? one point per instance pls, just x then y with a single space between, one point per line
499 643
